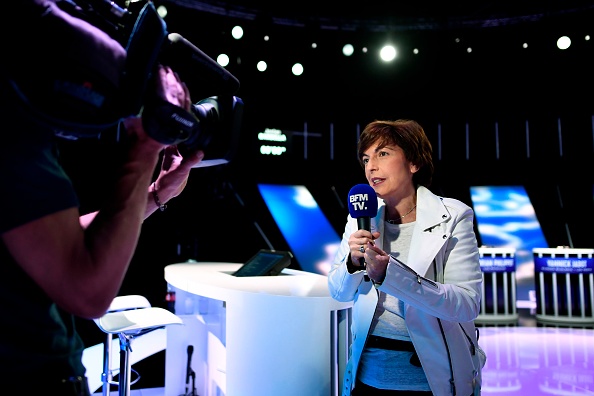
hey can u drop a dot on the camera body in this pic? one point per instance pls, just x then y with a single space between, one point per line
218 116
76 95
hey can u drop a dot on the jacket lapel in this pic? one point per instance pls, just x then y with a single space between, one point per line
430 233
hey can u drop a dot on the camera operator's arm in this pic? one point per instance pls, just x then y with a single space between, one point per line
172 179
175 168
82 269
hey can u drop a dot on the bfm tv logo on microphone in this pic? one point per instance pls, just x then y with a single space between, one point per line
359 201
362 201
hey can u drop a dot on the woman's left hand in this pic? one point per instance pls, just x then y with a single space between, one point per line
376 263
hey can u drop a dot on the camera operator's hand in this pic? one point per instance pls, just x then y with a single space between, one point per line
175 168
170 87
166 113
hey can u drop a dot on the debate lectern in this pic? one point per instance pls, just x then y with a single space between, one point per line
256 335
564 280
498 301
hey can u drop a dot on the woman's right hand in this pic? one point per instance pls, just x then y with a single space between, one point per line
358 243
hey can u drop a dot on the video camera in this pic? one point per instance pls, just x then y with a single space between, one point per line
64 103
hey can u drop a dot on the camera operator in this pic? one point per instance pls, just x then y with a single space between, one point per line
55 264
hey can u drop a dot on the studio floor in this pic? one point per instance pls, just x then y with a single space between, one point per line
524 359
538 361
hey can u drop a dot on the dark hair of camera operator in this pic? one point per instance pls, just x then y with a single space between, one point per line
416 299
56 264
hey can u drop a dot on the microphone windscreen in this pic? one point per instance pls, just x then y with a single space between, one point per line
362 201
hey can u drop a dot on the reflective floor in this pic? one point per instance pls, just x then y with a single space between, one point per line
525 359
140 392
538 361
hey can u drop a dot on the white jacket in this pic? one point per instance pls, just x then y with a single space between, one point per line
440 286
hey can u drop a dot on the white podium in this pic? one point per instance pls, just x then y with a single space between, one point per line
264 336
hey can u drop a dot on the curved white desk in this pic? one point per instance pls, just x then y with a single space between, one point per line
265 335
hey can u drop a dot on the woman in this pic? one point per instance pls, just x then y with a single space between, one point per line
418 293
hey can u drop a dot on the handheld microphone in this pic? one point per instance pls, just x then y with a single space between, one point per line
189 366
363 206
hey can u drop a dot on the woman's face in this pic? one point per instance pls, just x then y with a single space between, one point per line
388 171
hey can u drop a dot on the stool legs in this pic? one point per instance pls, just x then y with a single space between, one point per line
125 349
125 365
106 375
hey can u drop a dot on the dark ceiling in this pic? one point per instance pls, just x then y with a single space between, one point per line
378 15
496 32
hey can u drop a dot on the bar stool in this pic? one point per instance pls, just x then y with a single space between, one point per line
129 317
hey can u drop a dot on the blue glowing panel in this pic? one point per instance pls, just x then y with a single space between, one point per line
307 231
506 219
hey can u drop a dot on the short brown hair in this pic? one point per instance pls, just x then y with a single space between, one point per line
406 134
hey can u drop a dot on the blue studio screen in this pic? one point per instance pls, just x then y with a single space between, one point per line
306 229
